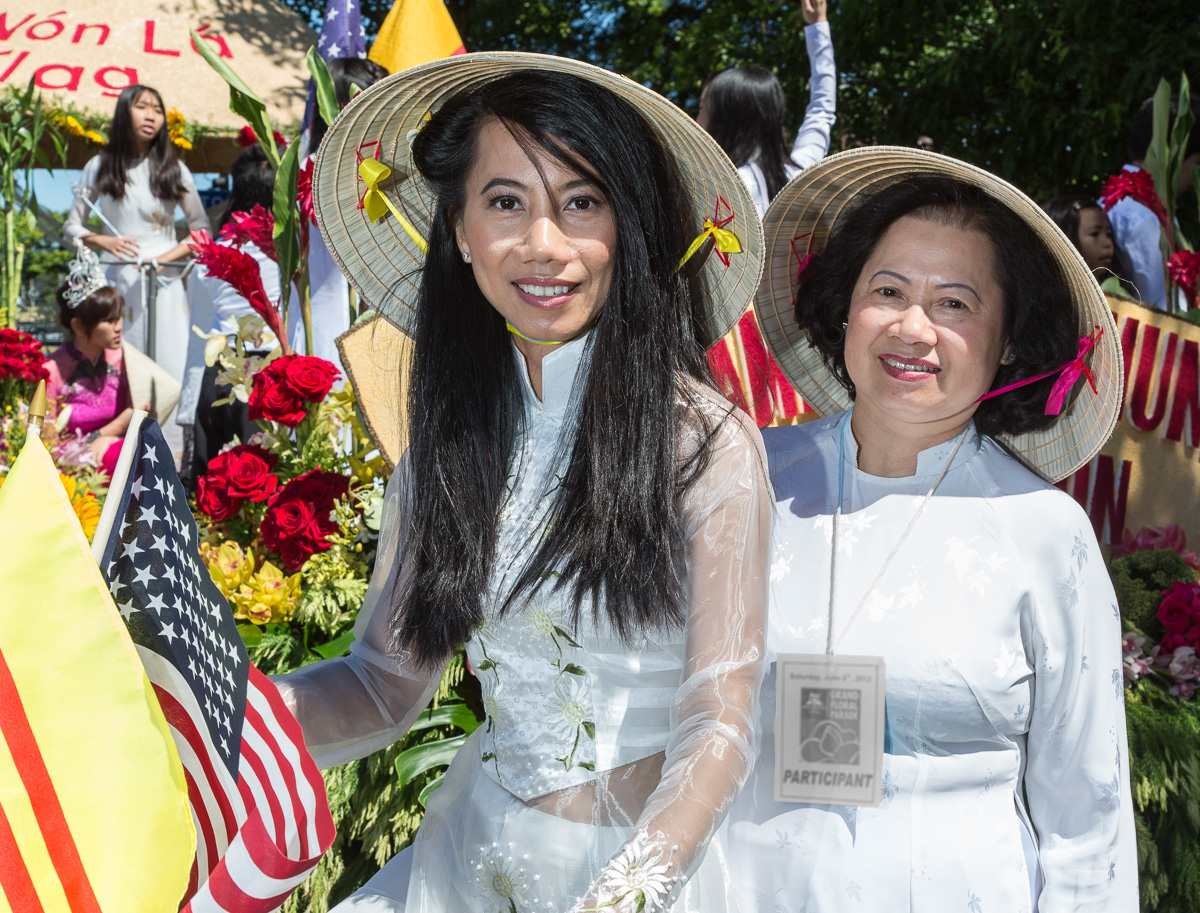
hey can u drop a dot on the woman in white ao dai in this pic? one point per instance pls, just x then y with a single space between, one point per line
1005 784
559 384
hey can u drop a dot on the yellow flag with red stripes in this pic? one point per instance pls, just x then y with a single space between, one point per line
415 31
93 802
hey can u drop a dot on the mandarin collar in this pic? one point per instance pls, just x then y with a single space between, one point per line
561 367
929 461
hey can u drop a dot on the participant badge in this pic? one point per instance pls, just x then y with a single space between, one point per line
829 725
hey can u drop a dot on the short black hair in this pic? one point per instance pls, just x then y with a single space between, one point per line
253 183
1142 130
1040 324
106 303
346 73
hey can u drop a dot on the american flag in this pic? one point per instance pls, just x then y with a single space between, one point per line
257 799
342 35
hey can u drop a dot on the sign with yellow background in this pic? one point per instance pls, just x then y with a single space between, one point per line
1148 474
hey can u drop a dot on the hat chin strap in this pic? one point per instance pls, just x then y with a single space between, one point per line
553 342
1067 375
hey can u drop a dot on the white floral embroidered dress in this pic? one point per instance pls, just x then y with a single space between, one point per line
1005 770
602 773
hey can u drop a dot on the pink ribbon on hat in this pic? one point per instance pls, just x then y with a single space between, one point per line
1067 375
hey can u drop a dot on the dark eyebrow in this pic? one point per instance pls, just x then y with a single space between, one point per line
888 272
962 285
511 182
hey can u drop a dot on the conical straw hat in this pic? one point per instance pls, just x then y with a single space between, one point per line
812 203
383 262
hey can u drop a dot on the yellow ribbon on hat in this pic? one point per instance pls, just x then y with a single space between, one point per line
725 242
377 203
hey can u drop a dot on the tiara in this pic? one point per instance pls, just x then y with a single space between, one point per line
84 277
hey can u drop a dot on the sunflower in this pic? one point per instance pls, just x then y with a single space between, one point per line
84 503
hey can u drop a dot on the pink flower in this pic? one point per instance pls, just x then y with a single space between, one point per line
1149 539
1137 185
255 227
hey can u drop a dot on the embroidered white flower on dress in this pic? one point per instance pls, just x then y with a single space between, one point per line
848 529
637 879
501 882
1005 661
912 595
961 553
568 707
781 568
877 605
496 709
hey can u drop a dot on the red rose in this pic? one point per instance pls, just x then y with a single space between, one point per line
273 400
247 472
212 497
299 517
1180 607
33 372
11 367
308 375
1172 642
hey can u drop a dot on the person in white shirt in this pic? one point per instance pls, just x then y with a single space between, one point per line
1136 229
744 109
943 328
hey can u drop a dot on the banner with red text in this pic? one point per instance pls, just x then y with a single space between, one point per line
1148 474
84 52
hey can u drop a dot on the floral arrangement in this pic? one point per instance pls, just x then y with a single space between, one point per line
180 131
71 124
1155 577
1135 185
20 364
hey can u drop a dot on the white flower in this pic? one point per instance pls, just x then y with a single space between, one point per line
1005 661
543 621
568 707
501 882
878 605
912 595
781 568
495 708
639 870
961 553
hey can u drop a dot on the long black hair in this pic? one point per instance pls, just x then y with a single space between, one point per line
744 111
166 180
618 529
253 179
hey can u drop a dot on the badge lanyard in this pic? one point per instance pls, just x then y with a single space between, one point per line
830 644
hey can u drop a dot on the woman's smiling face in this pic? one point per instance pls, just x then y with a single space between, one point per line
925 332
541 238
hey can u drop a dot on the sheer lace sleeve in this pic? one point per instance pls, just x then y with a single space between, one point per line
351 706
714 712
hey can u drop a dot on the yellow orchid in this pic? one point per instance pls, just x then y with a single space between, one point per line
228 565
267 596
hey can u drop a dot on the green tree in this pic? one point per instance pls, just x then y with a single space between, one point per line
1040 92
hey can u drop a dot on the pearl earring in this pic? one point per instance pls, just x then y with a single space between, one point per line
466 257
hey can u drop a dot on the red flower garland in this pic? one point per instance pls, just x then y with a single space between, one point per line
1184 269
299 519
240 270
255 227
1137 185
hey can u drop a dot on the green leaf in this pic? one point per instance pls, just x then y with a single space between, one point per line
1156 161
456 714
286 233
574 669
336 647
252 635
567 637
242 99
423 796
485 665
586 765
323 82
413 762
590 728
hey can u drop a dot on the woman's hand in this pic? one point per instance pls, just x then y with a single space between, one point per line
814 11
100 445
116 245
119 425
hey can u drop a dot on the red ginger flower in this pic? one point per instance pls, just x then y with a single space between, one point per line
256 227
1184 268
247 137
240 270
1137 185
304 193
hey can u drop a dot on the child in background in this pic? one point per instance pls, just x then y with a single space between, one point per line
1087 227
87 373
